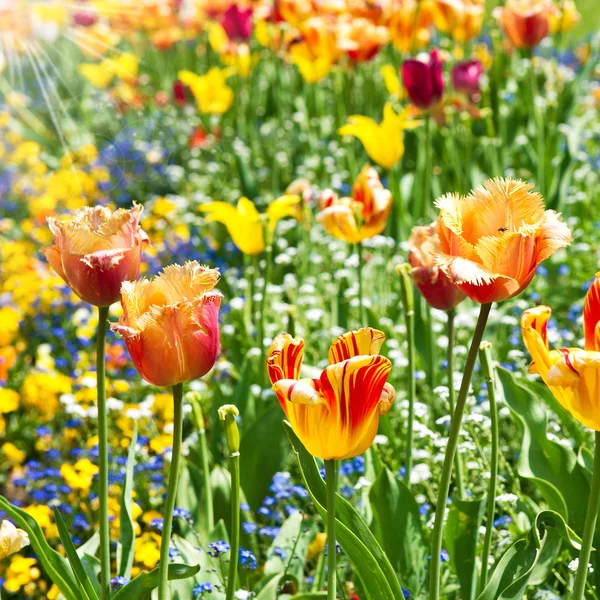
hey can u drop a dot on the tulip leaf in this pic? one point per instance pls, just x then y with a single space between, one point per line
530 559
141 587
56 567
261 456
551 466
293 538
372 566
398 528
127 533
83 579
461 537
271 590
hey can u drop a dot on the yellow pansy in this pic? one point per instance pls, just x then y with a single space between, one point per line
383 141
12 453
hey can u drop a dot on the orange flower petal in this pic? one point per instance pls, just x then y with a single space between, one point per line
365 342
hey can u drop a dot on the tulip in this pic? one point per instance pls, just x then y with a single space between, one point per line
170 324
423 80
244 222
361 38
96 251
382 141
360 217
179 95
564 17
11 539
462 19
525 23
335 416
492 240
211 92
466 76
573 377
433 284
237 23
406 15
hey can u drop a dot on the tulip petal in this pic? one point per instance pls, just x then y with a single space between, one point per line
284 359
340 222
365 342
52 254
591 316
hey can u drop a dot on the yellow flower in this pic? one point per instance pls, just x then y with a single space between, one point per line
12 453
10 319
9 400
564 16
147 550
79 476
244 222
41 392
383 141
99 75
313 67
392 82
211 92
19 573
11 539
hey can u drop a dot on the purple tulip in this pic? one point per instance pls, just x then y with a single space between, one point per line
423 80
237 23
466 76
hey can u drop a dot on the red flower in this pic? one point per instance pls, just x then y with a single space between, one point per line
423 80
237 22
466 76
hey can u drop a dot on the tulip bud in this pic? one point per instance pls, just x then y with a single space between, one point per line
423 79
466 76
227 414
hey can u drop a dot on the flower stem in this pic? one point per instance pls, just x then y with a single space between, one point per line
485 358
457 417
234 470
163 565
589 527
331 482
460 486
103 452
207 509
261 316
426 169
361 305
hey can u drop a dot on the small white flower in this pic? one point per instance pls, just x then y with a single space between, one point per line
362 483
114 404
381 440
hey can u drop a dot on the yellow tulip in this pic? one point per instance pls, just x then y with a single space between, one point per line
245 224
383 141
211 92
391 80
99 75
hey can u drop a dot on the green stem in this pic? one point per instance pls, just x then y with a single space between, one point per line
590 526
457 417
208 512
234 469
361 305
103 453
331 482
460 487
539 126
261 316
485 358
165 542
427 169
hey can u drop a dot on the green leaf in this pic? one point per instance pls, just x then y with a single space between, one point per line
271 590
359 544
141 587
80 573
261 456
293 538
398 528
309 596
90 547
551 466
91 564
461 536
529 560
127 532
55 566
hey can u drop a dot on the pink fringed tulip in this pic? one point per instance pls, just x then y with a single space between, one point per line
170 324
96 251
423 80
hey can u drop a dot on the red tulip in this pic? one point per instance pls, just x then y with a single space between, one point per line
423 80
466 76
179 94
237 22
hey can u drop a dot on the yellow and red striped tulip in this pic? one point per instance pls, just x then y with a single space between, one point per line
336 416
360 217
571 374
97 250
170 324
492 240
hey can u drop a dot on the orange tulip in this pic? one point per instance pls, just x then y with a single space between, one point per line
405 15
336 416
462 19
591 316
360 38
492 240
439 292
360 217
171 323
96 251
525 22
571 374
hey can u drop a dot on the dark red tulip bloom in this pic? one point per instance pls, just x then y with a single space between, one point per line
179 94
423 80
237 23
466 76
